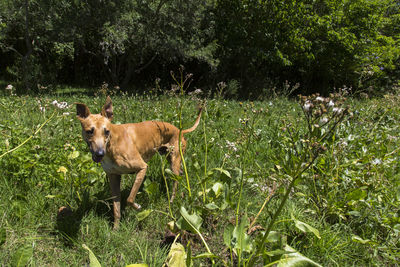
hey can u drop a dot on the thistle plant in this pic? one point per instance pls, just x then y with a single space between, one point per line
322 116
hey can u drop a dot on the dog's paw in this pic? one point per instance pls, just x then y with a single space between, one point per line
136 206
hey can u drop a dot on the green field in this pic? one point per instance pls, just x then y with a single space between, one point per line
342 206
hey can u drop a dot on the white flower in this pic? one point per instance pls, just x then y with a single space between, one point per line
66 113
319 99
376 162
324 120
231 145
9 87
42 109
307 106
331 104
61 105
198 91
337 110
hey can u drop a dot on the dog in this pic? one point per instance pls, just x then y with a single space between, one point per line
125 148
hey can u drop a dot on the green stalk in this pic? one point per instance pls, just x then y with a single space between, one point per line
166 186
205 162
278 211
181 154
30 137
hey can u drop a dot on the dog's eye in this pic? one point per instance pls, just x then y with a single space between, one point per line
90 132
106 132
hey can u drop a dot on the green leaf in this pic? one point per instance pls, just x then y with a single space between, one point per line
217 188
173 175
240 238
189 222
189 255
223 171
151 188
274 236
176 256
143 215
228 235
92 258
22 256
212 206
276 252
205 255
357 194
305 228
74 154
3 236
358 239
292 258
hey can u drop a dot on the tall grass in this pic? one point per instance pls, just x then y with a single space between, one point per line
341 210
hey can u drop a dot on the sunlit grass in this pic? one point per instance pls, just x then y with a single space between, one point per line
351 197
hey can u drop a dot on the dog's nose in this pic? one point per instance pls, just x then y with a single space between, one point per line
99 153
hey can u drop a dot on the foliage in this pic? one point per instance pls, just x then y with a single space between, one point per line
320 44
254 47
271 182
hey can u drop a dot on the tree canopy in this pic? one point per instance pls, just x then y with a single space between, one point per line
254 46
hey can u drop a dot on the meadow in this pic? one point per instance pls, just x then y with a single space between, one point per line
307 180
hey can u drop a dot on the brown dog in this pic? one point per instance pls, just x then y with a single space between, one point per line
125 148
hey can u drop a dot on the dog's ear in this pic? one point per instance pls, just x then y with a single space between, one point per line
82 111
107 110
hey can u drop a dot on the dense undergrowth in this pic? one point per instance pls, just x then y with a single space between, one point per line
342 185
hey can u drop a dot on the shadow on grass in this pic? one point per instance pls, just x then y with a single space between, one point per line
69 221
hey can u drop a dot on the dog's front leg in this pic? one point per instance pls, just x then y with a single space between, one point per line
135 188
115 183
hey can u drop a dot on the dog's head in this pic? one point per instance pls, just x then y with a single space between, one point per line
96 128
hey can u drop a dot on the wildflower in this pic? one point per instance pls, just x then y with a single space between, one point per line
319 99
9 87
60 105
243 121
231 145
337 110
198 91
324 120
376 162
62 169
42 109
307 105
331 104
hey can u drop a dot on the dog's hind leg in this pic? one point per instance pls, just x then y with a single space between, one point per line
176 169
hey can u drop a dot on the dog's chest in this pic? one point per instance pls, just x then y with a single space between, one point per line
110 166
107 165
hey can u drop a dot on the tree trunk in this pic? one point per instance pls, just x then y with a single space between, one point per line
28 43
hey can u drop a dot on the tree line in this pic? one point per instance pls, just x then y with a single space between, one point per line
254 47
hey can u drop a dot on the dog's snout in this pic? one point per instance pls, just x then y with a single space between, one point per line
99 153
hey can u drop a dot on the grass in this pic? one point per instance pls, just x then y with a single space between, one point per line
350 194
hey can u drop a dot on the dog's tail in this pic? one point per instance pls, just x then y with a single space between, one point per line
191 129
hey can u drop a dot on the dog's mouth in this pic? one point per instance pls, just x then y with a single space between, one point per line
96 158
